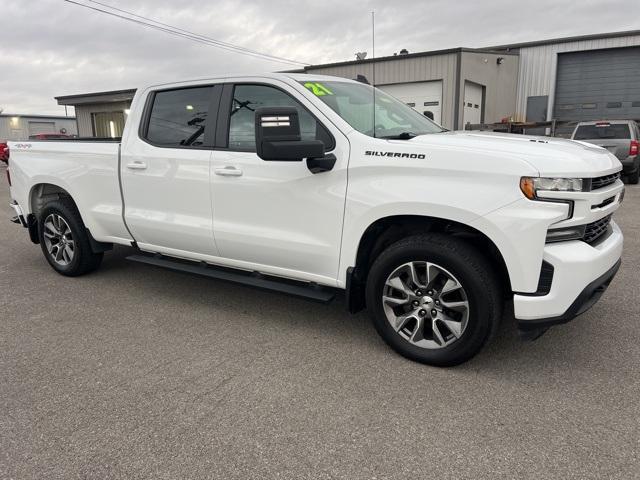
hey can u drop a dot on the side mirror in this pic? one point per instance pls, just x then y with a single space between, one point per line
278 136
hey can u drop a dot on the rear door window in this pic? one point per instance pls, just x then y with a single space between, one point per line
618 131
178 117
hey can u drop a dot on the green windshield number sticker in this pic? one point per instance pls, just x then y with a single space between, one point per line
318 89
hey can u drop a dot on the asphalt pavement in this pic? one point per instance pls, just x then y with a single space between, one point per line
137 372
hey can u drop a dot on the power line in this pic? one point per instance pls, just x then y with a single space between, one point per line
188 32
184 33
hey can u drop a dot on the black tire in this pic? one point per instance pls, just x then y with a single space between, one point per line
474 274
84 259
634 177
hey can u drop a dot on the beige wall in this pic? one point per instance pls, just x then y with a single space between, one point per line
18 129
83 114
501 82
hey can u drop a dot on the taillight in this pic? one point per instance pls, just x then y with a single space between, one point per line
635 147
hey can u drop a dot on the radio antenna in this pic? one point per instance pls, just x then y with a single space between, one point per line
373 63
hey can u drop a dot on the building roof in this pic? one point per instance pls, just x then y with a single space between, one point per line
403 56
97 97
578 38
24 115
500 49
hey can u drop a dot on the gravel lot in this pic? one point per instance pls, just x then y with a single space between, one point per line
137 372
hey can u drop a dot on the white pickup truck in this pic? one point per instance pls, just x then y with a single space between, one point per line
309 184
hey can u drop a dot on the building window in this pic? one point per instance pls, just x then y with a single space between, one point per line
589 106
566 107
614 105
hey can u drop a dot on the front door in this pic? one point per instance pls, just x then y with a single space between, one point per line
277 216
166 173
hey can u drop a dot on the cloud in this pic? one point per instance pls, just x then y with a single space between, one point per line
50 47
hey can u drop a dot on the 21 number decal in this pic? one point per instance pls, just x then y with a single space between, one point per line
318 89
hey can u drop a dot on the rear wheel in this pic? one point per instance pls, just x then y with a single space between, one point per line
634 177
433 299
64 239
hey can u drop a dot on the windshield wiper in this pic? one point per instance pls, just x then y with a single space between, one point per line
401 136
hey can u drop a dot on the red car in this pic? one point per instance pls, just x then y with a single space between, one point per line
4 152
50 136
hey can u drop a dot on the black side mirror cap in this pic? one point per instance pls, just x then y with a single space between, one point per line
291 150
278 136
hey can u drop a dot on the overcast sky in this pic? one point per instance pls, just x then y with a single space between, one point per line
50 47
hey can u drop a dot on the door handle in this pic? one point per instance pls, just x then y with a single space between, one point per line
137 166
228 171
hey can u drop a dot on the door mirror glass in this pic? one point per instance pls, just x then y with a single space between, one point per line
277 133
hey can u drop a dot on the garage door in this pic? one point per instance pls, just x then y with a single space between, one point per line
424 97
41 127
598 84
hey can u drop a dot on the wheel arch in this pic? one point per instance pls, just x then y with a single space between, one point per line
387 230
43 192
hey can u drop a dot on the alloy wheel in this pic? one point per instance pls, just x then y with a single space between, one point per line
425 304
58 239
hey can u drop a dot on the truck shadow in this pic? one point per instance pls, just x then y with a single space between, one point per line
506 355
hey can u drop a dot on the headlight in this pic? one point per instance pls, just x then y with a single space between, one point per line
530 186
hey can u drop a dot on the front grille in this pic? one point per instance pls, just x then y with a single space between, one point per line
600 182
606 202
594 230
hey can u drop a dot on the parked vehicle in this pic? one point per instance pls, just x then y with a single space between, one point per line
298 184
620 137
50 136
4 152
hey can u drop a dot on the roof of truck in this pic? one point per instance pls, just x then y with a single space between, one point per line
271 75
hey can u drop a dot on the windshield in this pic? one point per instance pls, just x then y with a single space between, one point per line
354 103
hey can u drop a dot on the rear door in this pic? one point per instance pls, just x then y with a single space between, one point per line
615 137
276 216
165 171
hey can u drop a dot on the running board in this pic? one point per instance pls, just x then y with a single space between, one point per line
310 291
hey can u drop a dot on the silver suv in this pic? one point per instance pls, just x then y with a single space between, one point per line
620 137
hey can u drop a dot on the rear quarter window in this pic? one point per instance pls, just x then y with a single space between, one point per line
620 131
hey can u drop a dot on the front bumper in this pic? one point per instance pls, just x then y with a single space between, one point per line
581 274
587 299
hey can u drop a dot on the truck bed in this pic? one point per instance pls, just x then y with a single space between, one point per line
87 169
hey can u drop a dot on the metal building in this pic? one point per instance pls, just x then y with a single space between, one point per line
455 86
21 127
569 79
579 78
100 114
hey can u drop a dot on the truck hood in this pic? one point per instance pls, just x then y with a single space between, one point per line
555 157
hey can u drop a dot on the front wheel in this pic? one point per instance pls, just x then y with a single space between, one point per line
433 299
64 239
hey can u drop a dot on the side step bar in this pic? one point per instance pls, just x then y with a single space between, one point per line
309 291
